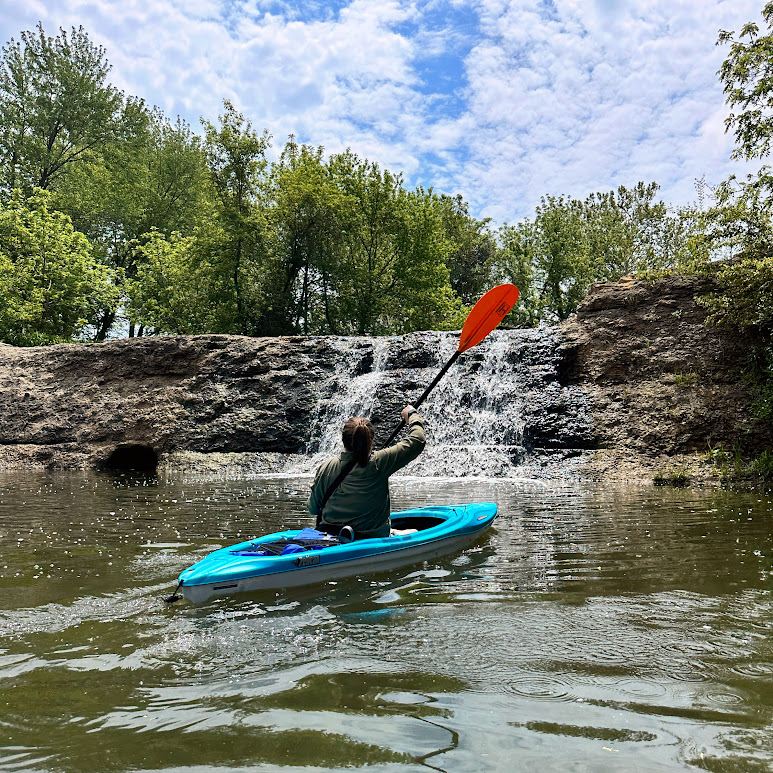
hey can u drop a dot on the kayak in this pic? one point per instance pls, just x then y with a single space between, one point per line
288 559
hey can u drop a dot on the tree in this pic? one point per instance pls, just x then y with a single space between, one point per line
423 297
369 253
473 249
307 219
50 286
391 275
56 107
174 288
236 157
740 222
153 180
560 256
514 263
747 79
629 232
571 243
741 227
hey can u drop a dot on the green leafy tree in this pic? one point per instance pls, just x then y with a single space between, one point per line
56 107
473 249
236 158
747 79
514 262
570 244
365 278
561 259
51 288
154 180
629 232
739 224
747 296
423 297
305 219
174 289
392 276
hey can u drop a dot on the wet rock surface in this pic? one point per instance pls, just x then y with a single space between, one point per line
633 379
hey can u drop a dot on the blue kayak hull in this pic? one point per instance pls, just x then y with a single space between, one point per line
235 569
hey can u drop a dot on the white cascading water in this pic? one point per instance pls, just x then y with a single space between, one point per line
474 416
350 396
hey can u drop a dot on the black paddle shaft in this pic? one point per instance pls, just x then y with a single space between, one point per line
437 378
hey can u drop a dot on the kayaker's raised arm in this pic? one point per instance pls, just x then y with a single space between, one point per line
397 456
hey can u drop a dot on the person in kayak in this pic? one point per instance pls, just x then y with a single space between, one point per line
361 499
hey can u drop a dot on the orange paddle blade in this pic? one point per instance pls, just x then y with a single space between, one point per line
487 313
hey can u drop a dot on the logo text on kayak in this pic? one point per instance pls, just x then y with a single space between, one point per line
306 560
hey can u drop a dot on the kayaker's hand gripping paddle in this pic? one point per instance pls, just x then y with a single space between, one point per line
487 313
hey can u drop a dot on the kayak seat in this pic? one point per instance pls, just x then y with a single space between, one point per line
401 532
416 522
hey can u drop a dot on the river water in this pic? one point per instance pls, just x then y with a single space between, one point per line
595 628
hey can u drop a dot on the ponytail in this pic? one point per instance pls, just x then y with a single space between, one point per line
358 438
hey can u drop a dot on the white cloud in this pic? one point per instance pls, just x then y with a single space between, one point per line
570 97
586 97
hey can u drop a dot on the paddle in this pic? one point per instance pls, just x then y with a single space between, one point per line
487 313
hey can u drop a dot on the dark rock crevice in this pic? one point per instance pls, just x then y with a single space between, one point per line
132 456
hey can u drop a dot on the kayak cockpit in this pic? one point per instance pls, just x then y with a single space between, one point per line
417 522
312 539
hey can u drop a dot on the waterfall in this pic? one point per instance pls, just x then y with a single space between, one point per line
348 392
504 410
499 411
475 414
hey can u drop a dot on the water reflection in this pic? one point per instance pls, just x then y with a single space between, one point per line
597 628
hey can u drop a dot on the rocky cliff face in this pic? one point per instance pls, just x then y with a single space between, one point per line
660 384
77 404
633 379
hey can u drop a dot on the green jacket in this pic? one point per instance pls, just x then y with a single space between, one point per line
362 499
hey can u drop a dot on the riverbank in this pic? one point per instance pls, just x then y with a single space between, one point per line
634 387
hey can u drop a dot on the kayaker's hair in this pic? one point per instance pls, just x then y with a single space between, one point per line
358 438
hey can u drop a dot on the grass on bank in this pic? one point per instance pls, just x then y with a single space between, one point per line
729 466
733 466
676 476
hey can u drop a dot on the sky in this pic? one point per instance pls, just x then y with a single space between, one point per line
501 101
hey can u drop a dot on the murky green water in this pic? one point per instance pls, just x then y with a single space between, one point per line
595 629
